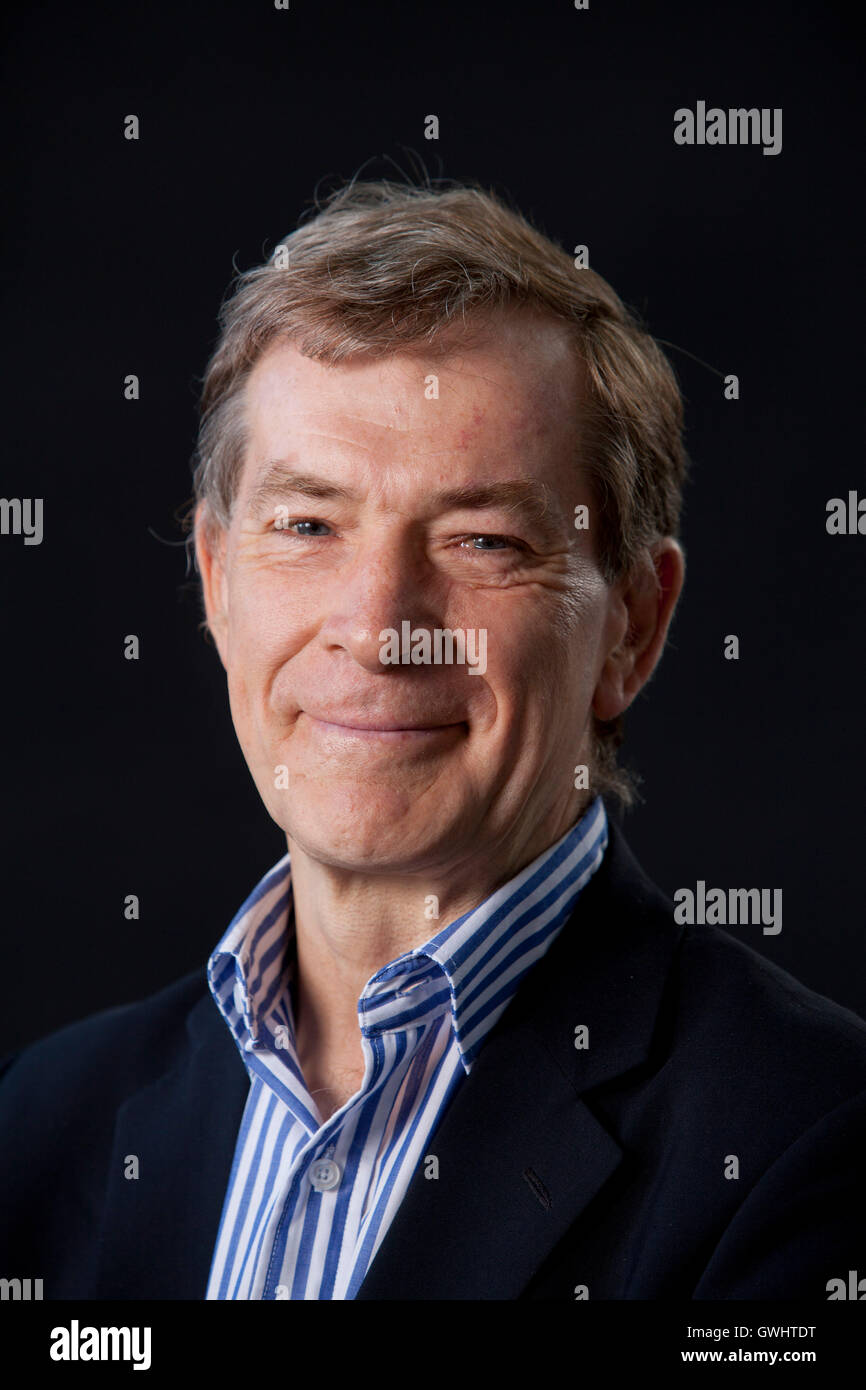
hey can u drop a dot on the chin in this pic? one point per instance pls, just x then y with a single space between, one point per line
366 849
362 835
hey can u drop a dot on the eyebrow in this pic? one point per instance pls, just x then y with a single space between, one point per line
529 498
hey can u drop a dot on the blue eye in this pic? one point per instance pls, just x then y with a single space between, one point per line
490 543
298 521
482 536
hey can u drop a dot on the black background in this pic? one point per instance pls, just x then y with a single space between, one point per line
125 777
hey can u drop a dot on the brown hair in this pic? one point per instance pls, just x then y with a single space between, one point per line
385 266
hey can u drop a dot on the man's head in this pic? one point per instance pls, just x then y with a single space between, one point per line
409 408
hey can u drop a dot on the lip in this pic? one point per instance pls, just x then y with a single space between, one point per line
387 730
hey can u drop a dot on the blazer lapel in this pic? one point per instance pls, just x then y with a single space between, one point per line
520 1152
159 1228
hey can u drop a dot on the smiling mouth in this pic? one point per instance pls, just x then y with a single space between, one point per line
388 730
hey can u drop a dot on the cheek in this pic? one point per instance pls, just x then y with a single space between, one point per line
555 645
544 674
258 649
579 632
263 620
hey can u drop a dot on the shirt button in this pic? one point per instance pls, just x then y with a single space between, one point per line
325 1174
238 994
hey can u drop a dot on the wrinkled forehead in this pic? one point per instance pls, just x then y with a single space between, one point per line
506 393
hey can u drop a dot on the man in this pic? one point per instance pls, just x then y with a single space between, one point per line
455 1044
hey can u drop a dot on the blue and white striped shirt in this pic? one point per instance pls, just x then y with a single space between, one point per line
308 1204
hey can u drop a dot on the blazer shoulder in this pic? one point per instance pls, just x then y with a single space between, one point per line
751 1015
731 1009
113 1051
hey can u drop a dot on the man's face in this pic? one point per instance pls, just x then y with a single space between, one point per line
395 768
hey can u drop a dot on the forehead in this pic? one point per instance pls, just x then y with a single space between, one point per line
509 387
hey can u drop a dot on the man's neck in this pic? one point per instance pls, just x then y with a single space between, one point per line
345 931
349 925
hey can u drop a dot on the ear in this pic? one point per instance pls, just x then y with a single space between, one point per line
641 610
210 554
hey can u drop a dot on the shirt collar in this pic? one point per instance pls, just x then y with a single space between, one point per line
473 965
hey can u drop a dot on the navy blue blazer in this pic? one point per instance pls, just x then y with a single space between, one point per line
604 1172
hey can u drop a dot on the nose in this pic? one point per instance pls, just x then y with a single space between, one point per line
386 582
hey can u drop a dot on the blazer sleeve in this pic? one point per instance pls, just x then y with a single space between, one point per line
804 1223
